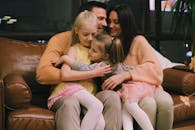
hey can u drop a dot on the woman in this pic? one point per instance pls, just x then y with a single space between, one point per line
139 54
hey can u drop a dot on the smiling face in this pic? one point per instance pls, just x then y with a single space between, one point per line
113 24
101 16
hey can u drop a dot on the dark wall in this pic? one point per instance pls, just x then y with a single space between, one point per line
171 45
43 18
40 14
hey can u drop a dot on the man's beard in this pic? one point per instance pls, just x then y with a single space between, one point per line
101 29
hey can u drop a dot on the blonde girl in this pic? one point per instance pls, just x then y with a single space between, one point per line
84 28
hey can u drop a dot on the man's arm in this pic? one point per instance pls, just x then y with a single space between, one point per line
59 44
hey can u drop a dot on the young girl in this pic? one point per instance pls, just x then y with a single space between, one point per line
105 50
84 28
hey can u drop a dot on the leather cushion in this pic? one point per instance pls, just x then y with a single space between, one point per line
179 81
18 93
19 56
184 108
31 118
22 57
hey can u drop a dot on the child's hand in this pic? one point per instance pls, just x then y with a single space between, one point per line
63 59
102 70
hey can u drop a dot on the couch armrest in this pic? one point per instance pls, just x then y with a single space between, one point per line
2 109
179 80
17 92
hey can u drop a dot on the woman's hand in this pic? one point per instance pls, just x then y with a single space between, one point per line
100 71
115 80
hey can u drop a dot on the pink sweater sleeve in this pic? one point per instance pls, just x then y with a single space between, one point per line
146 65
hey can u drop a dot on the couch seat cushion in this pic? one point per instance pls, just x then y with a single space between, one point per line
31 118
184 108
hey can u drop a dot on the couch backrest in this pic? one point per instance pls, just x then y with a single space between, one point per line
19 56
22 57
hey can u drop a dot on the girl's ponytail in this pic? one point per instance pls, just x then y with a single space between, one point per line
116 52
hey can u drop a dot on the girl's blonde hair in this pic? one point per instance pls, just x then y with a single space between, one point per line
111 46
85 18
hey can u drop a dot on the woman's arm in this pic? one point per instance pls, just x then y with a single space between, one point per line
115 80
145 66
46 73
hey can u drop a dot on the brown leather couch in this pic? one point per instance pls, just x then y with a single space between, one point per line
23 100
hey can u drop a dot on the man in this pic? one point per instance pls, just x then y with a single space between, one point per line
48 74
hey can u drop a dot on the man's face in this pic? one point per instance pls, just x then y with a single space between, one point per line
101 16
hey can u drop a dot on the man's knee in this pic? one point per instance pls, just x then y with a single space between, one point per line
109 97
67 103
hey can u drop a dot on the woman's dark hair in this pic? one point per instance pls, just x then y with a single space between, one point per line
127 23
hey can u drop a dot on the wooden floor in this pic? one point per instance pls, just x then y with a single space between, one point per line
185 128
189 126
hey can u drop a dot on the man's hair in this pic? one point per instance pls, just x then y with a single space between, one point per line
90 5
